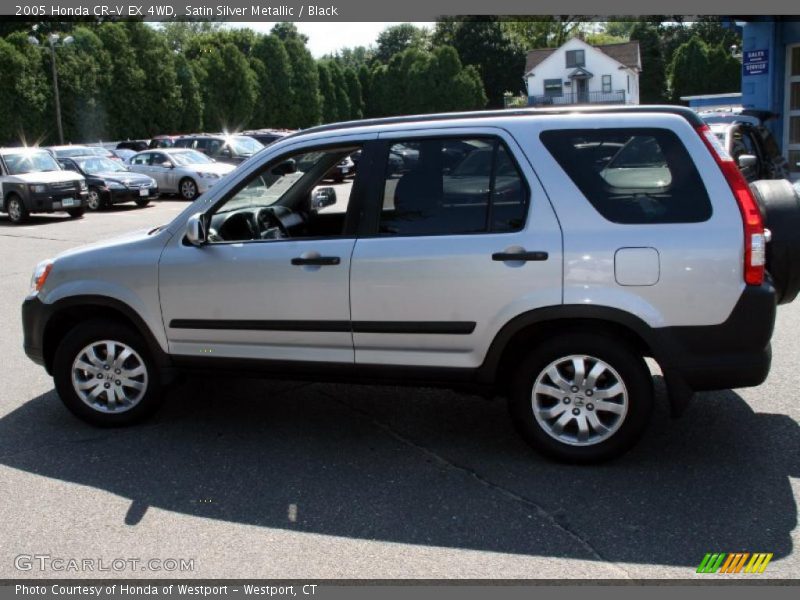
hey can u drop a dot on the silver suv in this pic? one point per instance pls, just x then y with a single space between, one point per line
540 255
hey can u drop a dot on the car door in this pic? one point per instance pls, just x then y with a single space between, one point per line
140 163
267 297
162 174
448 254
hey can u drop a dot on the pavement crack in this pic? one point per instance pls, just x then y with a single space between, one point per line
480 479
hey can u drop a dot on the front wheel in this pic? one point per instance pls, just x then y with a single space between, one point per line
187 189
581 398
16 210
104 374
75 213
142 202
94 201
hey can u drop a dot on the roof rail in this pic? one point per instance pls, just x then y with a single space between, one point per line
681 111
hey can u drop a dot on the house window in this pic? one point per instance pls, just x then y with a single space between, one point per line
552 87
575 58
606 84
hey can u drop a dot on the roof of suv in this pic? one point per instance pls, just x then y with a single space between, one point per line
682 111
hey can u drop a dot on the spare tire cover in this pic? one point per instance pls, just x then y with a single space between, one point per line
779 204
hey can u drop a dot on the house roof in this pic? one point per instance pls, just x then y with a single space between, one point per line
626 53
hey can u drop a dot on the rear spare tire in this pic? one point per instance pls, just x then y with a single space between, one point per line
779 204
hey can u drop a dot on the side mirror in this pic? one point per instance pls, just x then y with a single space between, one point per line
323 197
747 160
196 230
167 164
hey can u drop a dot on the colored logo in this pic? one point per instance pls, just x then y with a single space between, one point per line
722 563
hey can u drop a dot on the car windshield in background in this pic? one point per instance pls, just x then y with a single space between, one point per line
99 165
30 161
190 157
76 151
245 145
98 151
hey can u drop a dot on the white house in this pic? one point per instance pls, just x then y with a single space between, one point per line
579 73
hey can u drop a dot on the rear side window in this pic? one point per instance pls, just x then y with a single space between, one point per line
632 176
449 186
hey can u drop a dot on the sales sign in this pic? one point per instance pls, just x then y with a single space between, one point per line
756 62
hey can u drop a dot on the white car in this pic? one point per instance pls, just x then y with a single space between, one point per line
185 172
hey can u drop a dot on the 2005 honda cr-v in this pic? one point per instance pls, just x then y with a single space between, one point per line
536 254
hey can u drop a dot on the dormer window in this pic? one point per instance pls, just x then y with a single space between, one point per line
575 58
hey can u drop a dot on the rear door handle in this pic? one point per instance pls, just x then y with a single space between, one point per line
319 261
523 256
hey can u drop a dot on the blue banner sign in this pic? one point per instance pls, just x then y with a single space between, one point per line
756 62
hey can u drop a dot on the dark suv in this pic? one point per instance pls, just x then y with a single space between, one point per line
232 149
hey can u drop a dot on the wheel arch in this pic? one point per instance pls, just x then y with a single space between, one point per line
509 344
67 313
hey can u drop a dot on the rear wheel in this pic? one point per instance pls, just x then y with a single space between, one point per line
104 374
187 189
581 398
16 209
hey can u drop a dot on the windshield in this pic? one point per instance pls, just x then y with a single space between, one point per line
75 151
98 151
30 161
99 165
245 145
190 157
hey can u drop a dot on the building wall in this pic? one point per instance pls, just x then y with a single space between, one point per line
597 63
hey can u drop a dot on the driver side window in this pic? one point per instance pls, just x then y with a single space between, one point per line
302 195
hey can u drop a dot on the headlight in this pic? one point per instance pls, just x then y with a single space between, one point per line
208 175
40 275
38 188
82 185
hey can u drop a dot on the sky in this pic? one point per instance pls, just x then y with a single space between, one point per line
328 37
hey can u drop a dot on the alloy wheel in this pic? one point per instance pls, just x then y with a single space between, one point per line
109 376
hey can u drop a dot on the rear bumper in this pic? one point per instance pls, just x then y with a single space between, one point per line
733 354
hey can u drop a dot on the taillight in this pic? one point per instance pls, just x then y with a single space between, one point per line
755 250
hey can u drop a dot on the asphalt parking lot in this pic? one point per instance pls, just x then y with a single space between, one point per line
295 480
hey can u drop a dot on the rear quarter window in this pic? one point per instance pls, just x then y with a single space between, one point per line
632 175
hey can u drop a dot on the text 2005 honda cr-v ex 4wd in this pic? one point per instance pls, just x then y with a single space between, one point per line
535 254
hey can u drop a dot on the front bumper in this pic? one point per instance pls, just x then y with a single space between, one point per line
34 319
54 201
131 194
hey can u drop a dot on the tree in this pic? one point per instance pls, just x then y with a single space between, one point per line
689 69
724 71
397 38
342 98
274 76
326 92
285 31
652 79
354 94
22 95
228 85
306 104
542 32
486 45
191 116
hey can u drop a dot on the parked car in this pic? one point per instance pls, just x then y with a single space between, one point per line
187 173
163 141
750 143
111 182
267 136
233 149
32 182
547 274
135 145
104 153
123 154
70 150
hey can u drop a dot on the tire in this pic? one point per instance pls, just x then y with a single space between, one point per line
187 189
142 396
779 204
94 200
624 422
16 209
143 202
76 213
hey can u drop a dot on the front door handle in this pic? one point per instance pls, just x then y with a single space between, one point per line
523 256
318 261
